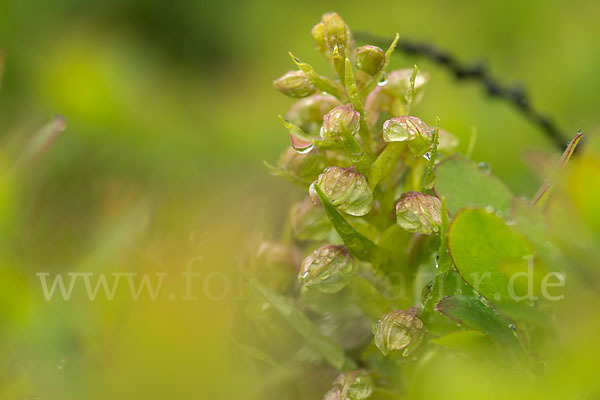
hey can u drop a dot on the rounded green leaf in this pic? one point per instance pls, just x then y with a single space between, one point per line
464 184
491 256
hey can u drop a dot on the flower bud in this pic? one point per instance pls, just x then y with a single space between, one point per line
274 266
447 141
346 189
339 119
419 213
309 221
399 331
370 59
318 34
411 130
328 269
404 129
294 84
353 385
337 34
398 82
308 113
306 166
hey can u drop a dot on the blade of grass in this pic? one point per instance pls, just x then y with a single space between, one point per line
332 352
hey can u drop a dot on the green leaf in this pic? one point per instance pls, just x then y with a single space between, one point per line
472 342
384 165
472 313
464 184
444 284
255 353
352 88
360 246
491 256
329 348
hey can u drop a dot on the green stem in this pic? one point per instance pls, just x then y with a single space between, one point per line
384 164
427 182
411 91
360 159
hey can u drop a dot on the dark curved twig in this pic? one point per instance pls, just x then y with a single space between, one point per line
514 95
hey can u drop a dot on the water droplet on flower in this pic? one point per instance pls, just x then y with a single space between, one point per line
485 167
305 150
427 156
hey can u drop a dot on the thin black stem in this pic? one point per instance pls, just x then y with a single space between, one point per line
513 94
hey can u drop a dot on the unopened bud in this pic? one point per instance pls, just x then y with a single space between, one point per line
408 129
404 129
308 113
370 59
399 331
309 221
306 166
398 82
346 189
328 269
342 118
337 34
353 385
274 266
294 84
318 34
419 213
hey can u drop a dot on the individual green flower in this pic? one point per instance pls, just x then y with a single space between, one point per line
419 213
309 221
353 385
408 129
318 34
308 113
404 129
328 269
338 36
274 266
305 166
338 120
398 84
294 84
399 331
370 59
392 96
346 189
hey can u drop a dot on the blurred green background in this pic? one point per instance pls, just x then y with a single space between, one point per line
170 110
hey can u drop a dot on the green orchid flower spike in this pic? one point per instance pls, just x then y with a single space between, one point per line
403 248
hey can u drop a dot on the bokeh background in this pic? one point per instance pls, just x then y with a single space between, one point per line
170 110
